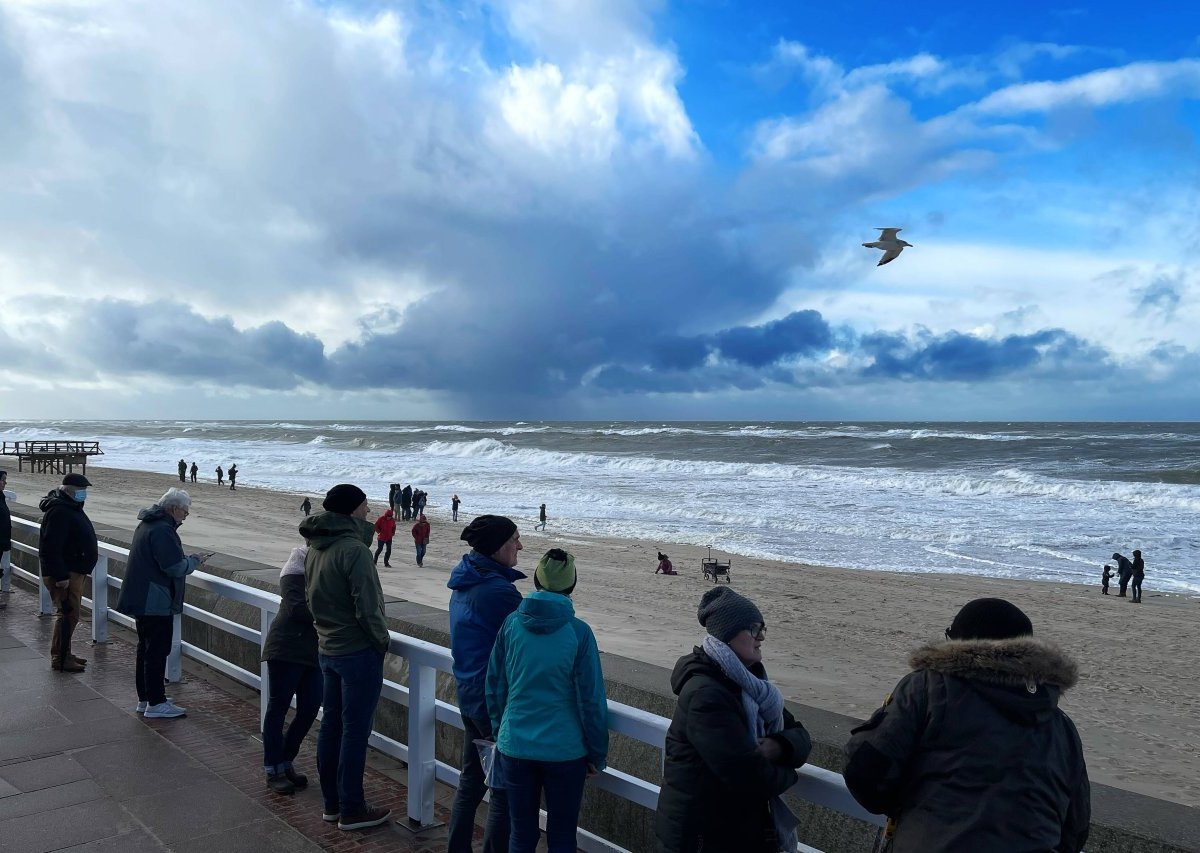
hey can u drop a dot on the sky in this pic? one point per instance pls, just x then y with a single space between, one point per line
598 209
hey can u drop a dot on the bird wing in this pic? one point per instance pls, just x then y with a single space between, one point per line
889 233
889 256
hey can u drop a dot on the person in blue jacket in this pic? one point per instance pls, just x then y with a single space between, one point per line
545 694
483 598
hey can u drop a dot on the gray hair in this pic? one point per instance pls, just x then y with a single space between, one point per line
175 498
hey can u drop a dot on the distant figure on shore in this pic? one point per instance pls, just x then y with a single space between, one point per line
454 502
233 472
194 471
67 551
346 600
1124 571
406 495
5 543
182 471
220 476
393 496
1105 577
664 565
385 531
306 506
972 737
541 518
420 534
732 748
290 653
1139 572
152 593
419 498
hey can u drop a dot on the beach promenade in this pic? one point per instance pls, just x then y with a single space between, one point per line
80 771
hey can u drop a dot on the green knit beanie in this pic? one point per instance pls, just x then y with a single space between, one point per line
555 571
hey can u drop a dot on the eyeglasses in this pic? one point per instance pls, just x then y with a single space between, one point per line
759 633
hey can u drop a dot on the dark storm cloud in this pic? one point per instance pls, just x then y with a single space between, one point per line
962 357
799 333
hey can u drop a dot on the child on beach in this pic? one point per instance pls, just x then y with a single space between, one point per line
1108 573
664 565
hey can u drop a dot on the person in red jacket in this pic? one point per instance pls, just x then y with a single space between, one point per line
420 532
385 529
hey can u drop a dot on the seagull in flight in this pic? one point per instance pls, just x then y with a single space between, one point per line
891 245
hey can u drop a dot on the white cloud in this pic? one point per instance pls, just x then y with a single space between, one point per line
1136 81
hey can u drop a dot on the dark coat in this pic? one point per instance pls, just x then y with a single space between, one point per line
1138 568
67 540
1124 567
716 786
157 570
5 525
971 752
292 638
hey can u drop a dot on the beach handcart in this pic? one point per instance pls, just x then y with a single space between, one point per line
715 569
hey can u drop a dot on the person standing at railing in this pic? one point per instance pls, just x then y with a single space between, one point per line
290 652
970 751
483 597
152 593
5 542
732 748
346 600
67 552
545 695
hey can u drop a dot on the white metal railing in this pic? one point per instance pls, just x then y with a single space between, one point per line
425 660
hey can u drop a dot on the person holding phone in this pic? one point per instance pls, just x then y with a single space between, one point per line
152 593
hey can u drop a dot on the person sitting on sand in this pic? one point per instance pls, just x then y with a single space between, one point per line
664 565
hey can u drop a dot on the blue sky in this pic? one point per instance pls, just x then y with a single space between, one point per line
598 208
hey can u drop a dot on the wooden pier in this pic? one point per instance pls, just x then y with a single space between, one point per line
53 456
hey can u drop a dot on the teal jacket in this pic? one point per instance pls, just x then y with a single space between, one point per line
545 688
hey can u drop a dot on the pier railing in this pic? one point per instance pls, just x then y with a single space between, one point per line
816 785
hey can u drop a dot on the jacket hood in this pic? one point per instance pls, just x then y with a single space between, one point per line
56 496
698 663
325 528
155 513
544 612
474 568
1022 677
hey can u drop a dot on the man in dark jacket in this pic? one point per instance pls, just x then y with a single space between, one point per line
1137 572
1124 571
152 593
970 751
68 552
406 495
483 598
5 543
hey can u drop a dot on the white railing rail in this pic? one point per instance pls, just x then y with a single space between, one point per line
425 660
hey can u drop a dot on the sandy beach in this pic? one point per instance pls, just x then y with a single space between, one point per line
837 638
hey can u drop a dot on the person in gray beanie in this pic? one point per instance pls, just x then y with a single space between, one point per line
973 736
732 748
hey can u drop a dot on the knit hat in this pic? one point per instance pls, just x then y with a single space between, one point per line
989 619
344 498
725 613
555 572
77 480
488 533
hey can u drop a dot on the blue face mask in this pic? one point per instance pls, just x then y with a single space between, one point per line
81 495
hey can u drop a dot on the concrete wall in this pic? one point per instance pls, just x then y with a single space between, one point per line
1123 822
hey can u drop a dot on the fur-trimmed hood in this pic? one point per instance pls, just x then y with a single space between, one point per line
1016 662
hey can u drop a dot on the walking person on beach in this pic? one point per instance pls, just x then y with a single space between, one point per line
5 543
732 748
545 695
454 502
220 476
1124 571
1105 576
420 534
541 518
306 506
67 551
182 471
483 597
233 472
194 471
973 736
1138 573
290 653
152 593
346 601
385 531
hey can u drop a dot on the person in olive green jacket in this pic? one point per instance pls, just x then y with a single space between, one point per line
346 600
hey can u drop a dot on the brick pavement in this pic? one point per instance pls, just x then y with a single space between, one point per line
220 734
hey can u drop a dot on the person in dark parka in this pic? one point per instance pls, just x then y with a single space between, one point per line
970 751
732 748
1137 572
1124 572
67 552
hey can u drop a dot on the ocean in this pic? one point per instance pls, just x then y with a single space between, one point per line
1049 501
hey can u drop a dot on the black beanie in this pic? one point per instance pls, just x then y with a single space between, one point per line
990 619
725 613
344 498
488 533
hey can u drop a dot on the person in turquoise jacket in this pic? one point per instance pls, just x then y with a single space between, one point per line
545 697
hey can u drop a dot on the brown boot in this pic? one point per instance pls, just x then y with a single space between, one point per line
67 666
79 660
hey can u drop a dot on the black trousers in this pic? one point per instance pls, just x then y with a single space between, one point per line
386 548
154 645
1137 588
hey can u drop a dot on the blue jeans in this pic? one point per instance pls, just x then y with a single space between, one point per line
562 784
288 680
471 789
421 553
352 686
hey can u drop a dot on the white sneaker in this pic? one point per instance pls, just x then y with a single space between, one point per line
165 710
142 706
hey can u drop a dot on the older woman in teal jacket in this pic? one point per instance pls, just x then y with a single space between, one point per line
545 696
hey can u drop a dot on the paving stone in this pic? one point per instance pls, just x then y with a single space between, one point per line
195 811
136 841
39 773
65 826
49 799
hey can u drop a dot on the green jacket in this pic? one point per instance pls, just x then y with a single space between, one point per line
342 586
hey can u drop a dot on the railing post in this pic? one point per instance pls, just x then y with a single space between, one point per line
45 603
100 601
175 659
265 617
422 761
